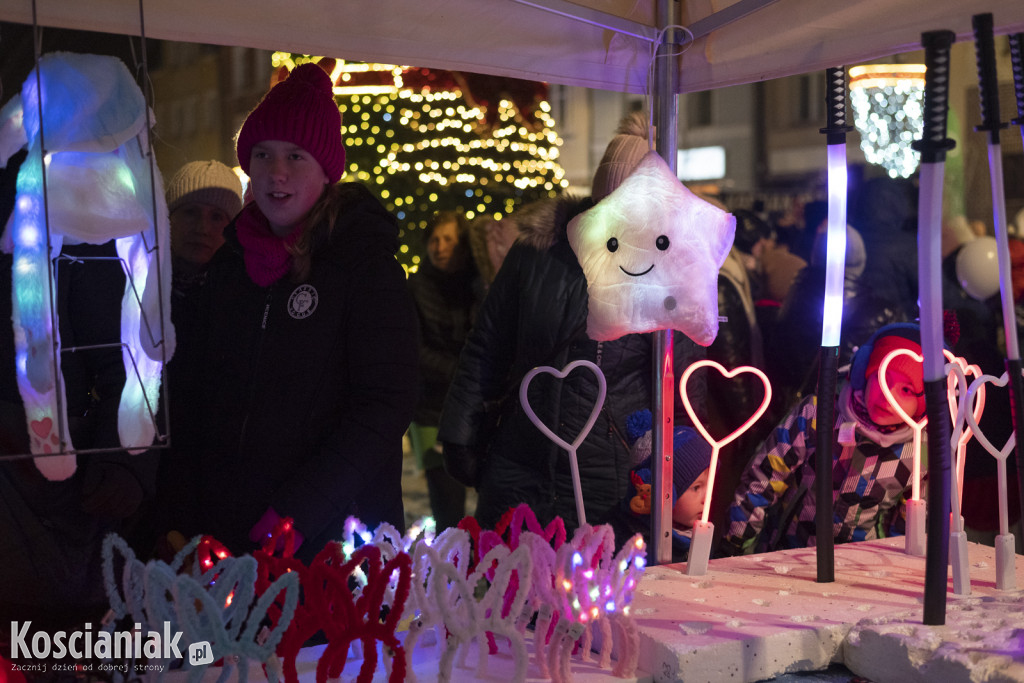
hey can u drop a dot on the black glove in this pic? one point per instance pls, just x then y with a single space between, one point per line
463 463
110 490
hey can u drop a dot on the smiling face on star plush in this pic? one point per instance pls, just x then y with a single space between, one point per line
651 251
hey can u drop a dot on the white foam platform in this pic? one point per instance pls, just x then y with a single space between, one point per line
755 617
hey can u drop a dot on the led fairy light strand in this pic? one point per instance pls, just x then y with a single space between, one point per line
591 586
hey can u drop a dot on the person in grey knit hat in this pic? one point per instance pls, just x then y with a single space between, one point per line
202 198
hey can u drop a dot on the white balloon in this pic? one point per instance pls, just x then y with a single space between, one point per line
977 268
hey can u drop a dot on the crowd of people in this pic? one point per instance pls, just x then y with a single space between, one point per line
305 357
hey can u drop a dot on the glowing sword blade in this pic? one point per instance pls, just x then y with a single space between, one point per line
933 146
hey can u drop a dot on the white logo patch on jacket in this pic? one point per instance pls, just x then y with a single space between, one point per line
302 302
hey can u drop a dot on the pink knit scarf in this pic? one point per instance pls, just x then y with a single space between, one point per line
266 255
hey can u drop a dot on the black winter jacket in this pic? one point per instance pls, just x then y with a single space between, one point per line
309 387
535 314
447 304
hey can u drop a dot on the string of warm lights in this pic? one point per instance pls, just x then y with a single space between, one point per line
423 144
888 102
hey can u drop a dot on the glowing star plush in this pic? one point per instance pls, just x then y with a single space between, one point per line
651 251
100 185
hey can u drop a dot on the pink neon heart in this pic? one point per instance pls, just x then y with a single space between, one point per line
562 374
728 374
978 385
42 427
884 384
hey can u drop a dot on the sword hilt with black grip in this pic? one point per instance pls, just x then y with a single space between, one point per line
988 84
835 103
1017 66
934 143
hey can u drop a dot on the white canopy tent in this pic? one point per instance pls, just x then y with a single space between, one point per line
604 44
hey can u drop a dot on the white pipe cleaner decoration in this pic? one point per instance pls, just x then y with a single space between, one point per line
97 188
468 619
453 547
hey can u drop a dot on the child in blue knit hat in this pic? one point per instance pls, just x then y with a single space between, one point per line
691 459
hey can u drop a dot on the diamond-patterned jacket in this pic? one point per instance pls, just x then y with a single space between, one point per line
774 504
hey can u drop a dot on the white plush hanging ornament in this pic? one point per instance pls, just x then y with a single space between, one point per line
98 188
651 251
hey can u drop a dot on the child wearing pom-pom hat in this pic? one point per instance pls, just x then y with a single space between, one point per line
309 351
774 504
691 461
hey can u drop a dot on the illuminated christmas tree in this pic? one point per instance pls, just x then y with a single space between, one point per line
426 140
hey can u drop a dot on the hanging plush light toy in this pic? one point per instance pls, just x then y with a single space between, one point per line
93 141
651 251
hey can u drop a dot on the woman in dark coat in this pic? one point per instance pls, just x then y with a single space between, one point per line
535 314
447 290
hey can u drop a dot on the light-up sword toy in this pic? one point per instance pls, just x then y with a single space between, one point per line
988 85
831 319
933 146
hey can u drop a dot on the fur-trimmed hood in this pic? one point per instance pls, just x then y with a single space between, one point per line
542 224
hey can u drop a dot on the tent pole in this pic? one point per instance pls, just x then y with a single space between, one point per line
666 113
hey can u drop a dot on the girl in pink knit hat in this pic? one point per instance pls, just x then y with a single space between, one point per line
301 360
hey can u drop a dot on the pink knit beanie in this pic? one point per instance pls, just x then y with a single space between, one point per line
300 110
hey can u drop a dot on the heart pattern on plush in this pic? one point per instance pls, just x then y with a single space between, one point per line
41 428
